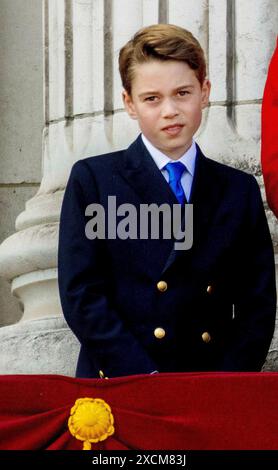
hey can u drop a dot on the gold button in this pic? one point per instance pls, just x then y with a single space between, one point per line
162 286
159 333
101 374
209 289
206 337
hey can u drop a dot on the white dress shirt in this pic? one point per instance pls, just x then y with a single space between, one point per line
188 159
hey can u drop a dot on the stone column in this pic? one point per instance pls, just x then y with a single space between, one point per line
84 116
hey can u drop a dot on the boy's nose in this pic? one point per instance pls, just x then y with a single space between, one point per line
169 109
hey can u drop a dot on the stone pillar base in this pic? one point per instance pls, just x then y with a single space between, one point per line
271 363
43 346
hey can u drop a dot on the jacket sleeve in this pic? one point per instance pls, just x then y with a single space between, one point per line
269 149
84 286
255 301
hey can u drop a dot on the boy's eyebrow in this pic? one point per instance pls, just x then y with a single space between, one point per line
153 92
184 86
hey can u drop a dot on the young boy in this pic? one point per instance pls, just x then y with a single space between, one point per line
138 305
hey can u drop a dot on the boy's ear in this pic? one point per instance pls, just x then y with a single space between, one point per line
206 87
129 105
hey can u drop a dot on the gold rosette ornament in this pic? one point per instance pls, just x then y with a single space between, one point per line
91 421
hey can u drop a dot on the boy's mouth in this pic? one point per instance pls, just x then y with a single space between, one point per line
174 129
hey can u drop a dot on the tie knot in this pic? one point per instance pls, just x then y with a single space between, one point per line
175 171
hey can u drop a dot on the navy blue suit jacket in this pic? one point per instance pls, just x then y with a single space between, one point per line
109 291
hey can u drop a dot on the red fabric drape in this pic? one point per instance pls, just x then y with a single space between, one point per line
167 411
270 134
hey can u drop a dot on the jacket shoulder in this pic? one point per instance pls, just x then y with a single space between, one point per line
88 169
227 169
100 161
232 175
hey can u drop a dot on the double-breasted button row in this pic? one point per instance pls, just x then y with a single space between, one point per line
163 286
160 333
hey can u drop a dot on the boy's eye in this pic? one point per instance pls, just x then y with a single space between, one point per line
151 98
183 92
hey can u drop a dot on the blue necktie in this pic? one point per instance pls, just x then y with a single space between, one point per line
175 171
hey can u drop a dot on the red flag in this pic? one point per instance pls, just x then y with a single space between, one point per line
270 134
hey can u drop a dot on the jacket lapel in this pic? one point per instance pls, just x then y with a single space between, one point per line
141 172
206 193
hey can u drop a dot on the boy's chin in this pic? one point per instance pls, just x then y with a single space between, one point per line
176 151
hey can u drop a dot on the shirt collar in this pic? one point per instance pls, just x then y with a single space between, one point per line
160 159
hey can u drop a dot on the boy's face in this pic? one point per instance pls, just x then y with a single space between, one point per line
167 100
